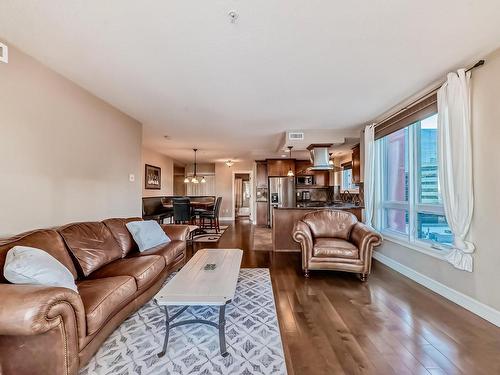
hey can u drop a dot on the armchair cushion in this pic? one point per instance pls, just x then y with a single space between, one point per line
334 248
330 223
103 298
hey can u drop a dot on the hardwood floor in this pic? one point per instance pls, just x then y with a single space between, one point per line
334 324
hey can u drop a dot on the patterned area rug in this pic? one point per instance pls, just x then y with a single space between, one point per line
252 334
211 235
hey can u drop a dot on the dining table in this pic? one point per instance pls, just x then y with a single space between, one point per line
195 204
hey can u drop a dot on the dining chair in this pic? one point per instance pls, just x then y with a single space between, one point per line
183 212
212 216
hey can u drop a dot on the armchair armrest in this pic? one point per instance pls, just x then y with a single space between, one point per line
32 309
176 232
302 234
365 239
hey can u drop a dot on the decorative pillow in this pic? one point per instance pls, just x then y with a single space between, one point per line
147 234
28 265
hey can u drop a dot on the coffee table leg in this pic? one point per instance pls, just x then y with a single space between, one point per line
222 330
167 328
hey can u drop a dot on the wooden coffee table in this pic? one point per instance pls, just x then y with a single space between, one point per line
209 278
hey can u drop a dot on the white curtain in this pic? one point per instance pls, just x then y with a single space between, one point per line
455 163
369 174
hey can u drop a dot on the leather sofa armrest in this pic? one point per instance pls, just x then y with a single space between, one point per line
32 309
365 239
302 234
176 232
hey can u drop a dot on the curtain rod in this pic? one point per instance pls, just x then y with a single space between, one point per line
425 96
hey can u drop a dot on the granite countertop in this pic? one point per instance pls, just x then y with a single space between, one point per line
338 206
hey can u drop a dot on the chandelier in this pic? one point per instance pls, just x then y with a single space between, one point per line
194 178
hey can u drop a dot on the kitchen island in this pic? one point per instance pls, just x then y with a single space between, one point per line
285 218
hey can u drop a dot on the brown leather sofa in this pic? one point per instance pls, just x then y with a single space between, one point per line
335 240
50 330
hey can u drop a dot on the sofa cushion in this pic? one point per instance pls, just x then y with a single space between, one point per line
45 239
29 265
143 269
330 223
103 298
147 234
121 234
334 248
171 251
92 244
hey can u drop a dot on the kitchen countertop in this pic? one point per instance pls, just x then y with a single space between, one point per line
340 206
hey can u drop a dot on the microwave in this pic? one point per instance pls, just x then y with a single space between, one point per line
305 180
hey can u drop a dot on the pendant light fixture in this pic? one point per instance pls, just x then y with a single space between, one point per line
194 179
330 160
290 171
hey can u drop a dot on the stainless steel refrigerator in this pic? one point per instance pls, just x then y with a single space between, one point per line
281 194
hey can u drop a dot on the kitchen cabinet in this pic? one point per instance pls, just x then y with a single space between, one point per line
262 214
280 167
356 165
261 179
321 178
301 168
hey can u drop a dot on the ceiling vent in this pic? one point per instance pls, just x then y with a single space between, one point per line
296 136
4 53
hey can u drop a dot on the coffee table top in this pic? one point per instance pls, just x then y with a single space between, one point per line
193 285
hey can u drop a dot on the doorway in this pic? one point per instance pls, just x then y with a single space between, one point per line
242 195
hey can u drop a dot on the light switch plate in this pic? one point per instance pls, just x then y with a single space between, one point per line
131 177
4 53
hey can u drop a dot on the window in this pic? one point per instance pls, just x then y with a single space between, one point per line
347 183
410 205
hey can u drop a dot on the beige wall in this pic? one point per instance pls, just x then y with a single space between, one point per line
224 184
167 172
482 284
65 155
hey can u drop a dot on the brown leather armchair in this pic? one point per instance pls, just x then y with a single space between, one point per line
335 240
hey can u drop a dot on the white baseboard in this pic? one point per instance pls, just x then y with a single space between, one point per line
484 311
226 218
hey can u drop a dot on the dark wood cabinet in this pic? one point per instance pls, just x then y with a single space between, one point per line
280 167
322 178
301 168
262 214
261 179
356 165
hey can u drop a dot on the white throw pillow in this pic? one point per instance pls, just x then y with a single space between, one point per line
28 265
147 234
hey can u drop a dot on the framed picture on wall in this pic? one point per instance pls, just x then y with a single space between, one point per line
152 177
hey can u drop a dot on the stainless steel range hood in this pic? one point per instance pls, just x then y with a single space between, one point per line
320 157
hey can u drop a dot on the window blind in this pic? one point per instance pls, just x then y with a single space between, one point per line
407 116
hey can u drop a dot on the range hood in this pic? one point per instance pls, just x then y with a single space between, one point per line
320 157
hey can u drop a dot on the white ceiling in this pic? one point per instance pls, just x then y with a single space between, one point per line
184 70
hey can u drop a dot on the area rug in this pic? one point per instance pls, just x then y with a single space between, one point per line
211 235
262 239
252 334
